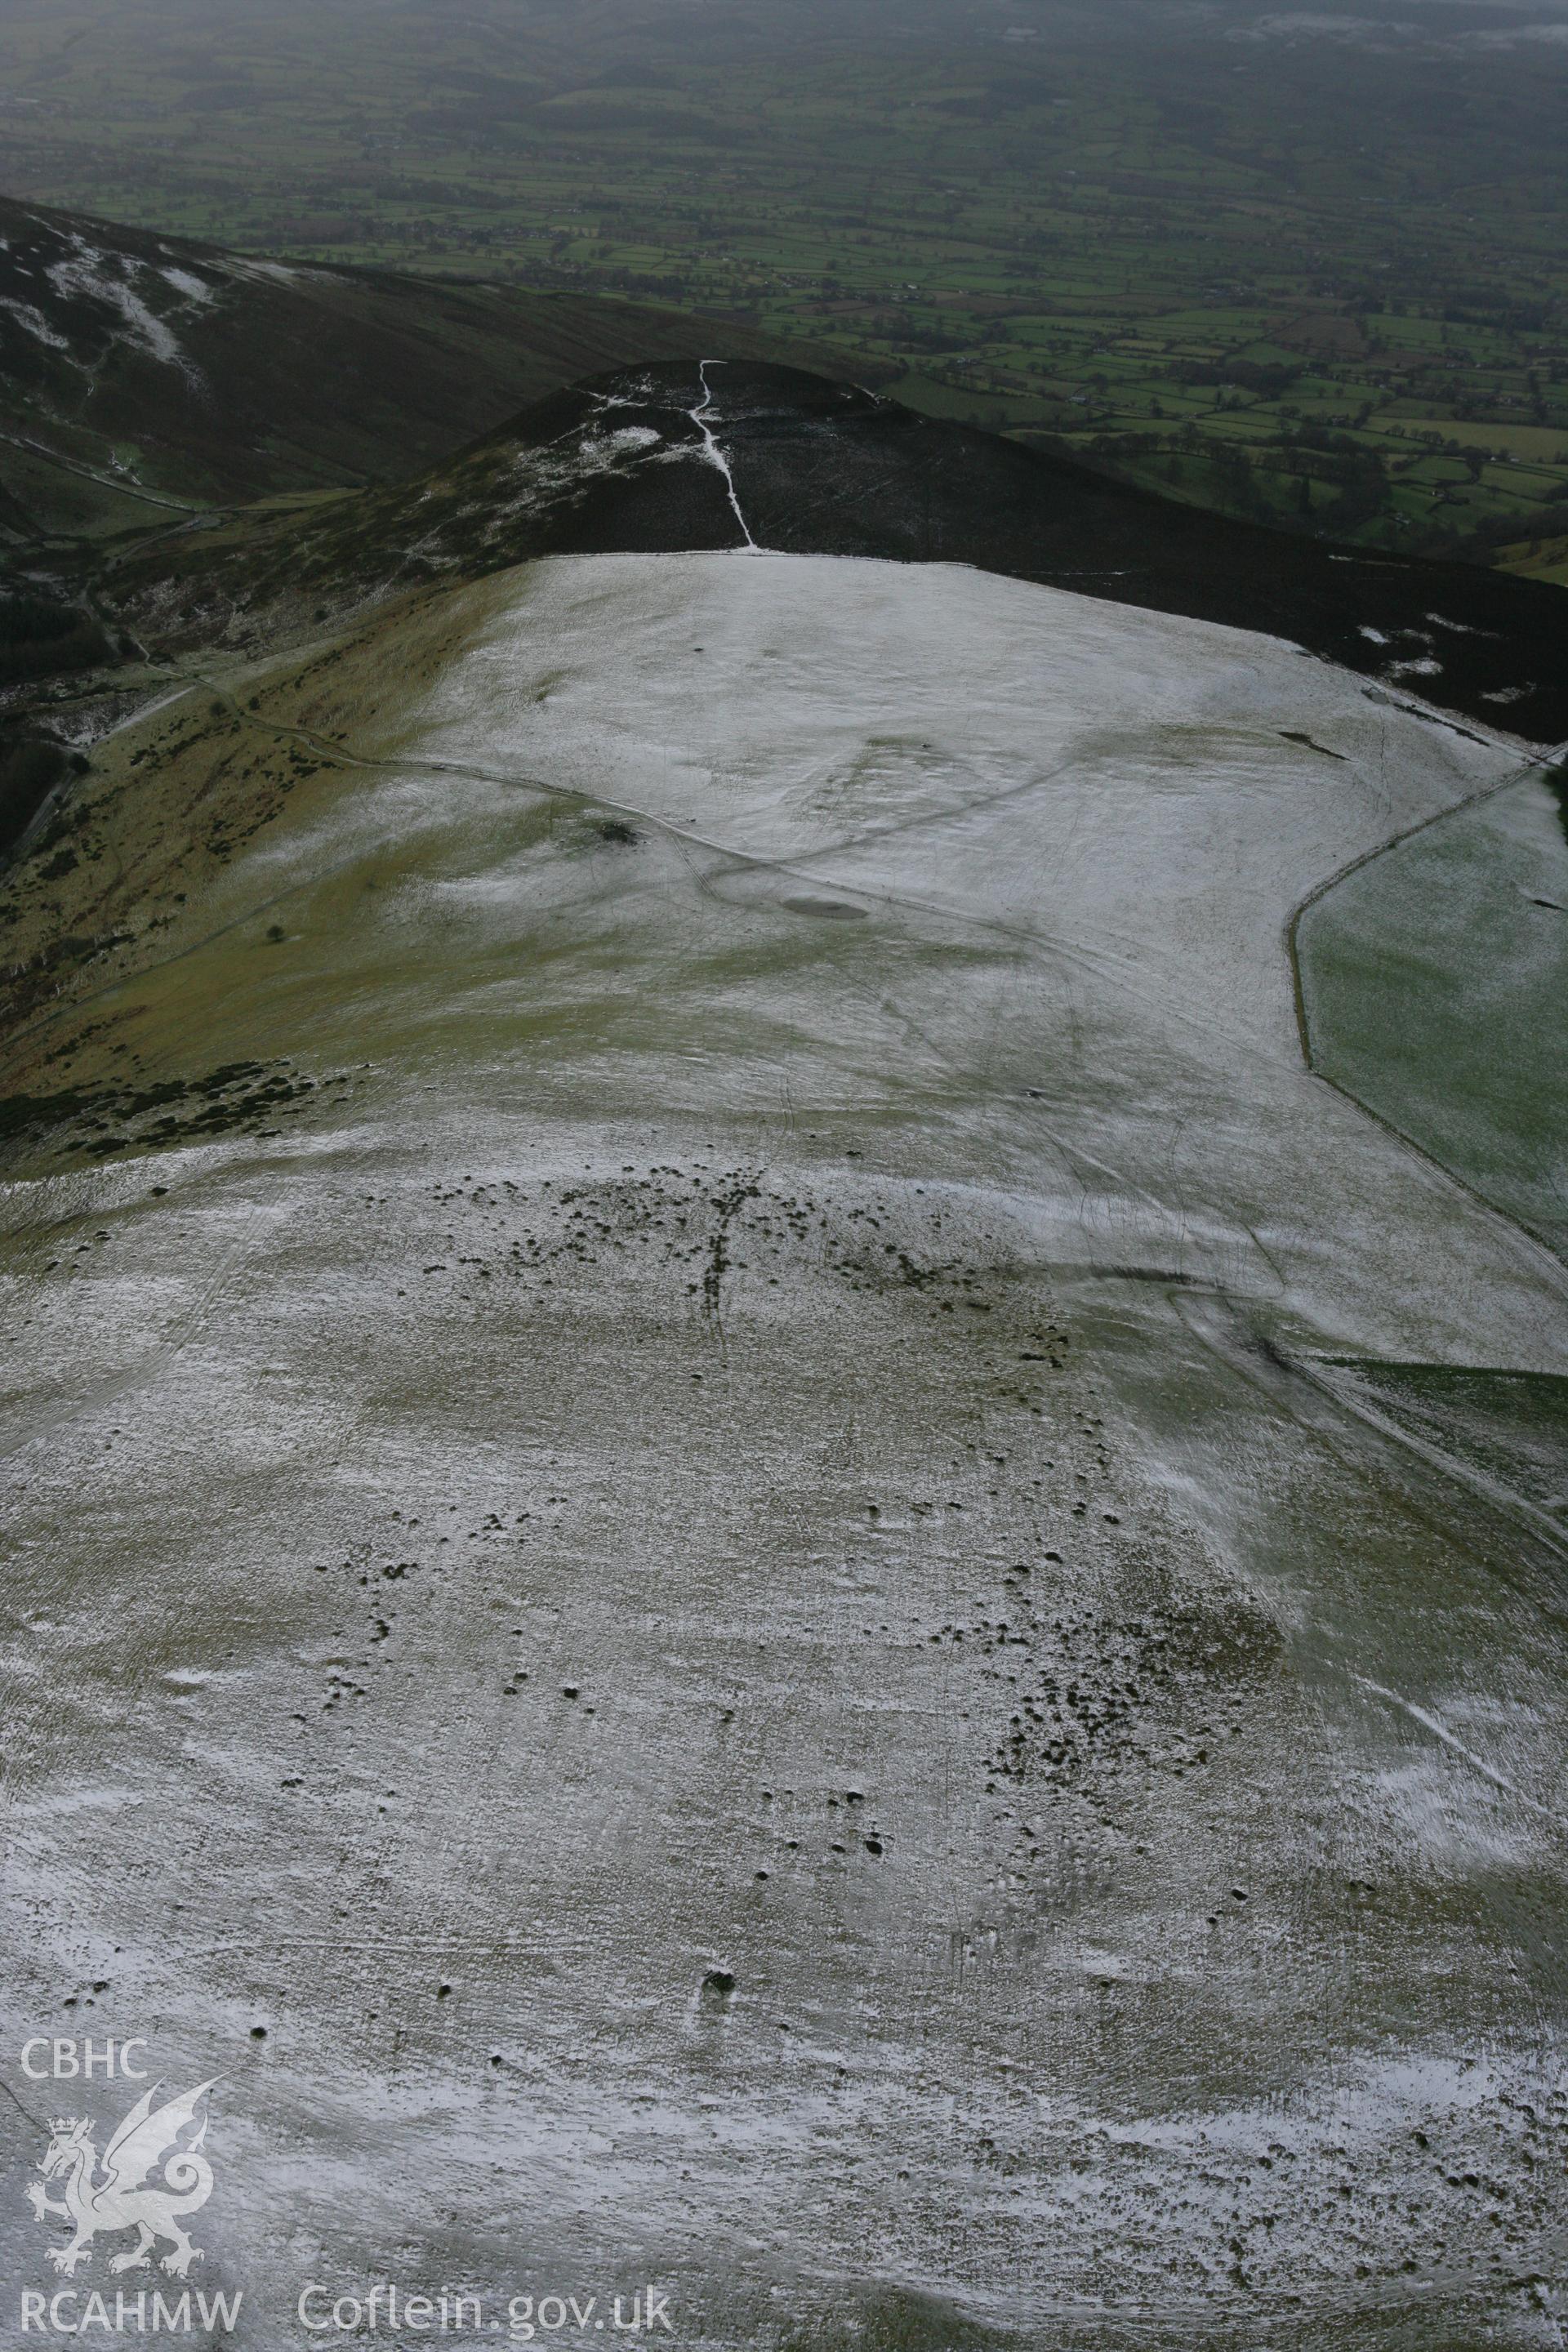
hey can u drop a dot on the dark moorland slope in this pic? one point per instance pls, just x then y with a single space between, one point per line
143 377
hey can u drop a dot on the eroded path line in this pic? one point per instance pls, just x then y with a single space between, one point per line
125 486
1355 1431
713 455
1440 1731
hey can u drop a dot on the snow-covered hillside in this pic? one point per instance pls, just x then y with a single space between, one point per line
726 1617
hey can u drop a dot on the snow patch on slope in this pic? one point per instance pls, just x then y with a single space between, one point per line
87 273
33 318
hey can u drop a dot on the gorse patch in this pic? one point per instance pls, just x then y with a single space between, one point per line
39 638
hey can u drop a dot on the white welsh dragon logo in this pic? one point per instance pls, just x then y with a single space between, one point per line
124 2197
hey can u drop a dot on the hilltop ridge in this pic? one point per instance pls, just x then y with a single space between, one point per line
684 456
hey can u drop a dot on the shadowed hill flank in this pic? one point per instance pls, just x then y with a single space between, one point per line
141 374
684 457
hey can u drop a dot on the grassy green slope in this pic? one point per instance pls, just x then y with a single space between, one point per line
1435 980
